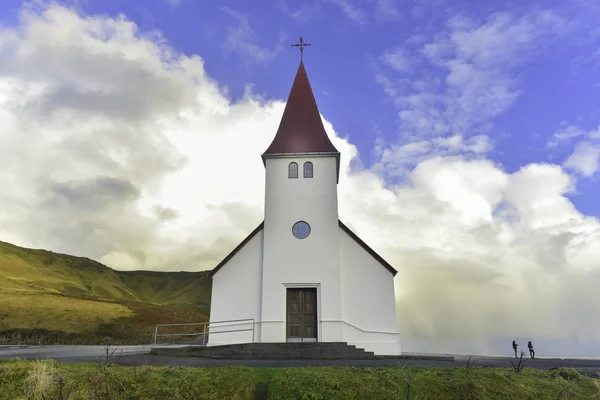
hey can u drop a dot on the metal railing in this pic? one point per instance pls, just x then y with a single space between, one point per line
205 329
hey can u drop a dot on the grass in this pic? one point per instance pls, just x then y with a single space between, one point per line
47 379
50 298
48 311
136 328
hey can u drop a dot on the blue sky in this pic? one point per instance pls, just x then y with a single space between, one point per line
547 66
131 133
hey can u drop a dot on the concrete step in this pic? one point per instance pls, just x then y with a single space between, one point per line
288 356
287 345
333 350
264 354
268 350
284 347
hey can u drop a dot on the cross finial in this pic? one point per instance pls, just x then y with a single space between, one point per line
302 45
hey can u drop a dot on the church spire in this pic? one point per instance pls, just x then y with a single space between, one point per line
301 130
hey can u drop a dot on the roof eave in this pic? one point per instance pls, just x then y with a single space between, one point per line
367 248
236 249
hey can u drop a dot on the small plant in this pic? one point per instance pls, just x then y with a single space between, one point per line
407 375
40 379
109 355
62 386
470 362
520 365
45 382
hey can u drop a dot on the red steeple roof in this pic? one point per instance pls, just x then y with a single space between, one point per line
301 129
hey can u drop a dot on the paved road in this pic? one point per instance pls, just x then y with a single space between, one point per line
67 353
139 355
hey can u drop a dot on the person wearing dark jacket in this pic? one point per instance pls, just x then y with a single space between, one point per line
531 352
515 345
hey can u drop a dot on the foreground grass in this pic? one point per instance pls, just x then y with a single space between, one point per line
51 380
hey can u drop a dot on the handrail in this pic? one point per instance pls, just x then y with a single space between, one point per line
205 325
208 322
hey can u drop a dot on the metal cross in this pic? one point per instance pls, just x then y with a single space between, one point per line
302 45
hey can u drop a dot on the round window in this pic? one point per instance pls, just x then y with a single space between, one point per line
301 230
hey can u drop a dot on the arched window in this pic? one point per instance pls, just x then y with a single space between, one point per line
308 169
293 170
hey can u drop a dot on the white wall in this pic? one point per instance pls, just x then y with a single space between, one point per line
311 261
369 303
236 294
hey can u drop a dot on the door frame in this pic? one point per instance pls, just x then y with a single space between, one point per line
287 286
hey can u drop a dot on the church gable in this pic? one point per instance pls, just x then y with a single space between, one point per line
344 228
368 249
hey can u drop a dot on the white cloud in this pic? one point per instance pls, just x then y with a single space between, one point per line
304 13
387 10
118 148
483 256
174 3
422 8
585 157
536 192
477 144
565 134
398 59
399 160
351 11
451 85
243 39
472 189
479 64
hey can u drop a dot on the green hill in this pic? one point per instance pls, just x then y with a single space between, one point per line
47 297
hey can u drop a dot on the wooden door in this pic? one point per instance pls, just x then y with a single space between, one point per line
302 314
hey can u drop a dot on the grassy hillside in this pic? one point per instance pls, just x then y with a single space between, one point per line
49 297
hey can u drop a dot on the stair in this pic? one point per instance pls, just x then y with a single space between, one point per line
273 351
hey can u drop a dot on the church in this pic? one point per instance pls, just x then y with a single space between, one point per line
302 275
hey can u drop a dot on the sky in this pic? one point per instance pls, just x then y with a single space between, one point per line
131 133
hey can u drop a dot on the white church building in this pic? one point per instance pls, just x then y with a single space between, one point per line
302 275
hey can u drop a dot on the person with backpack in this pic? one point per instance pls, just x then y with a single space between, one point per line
531 352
